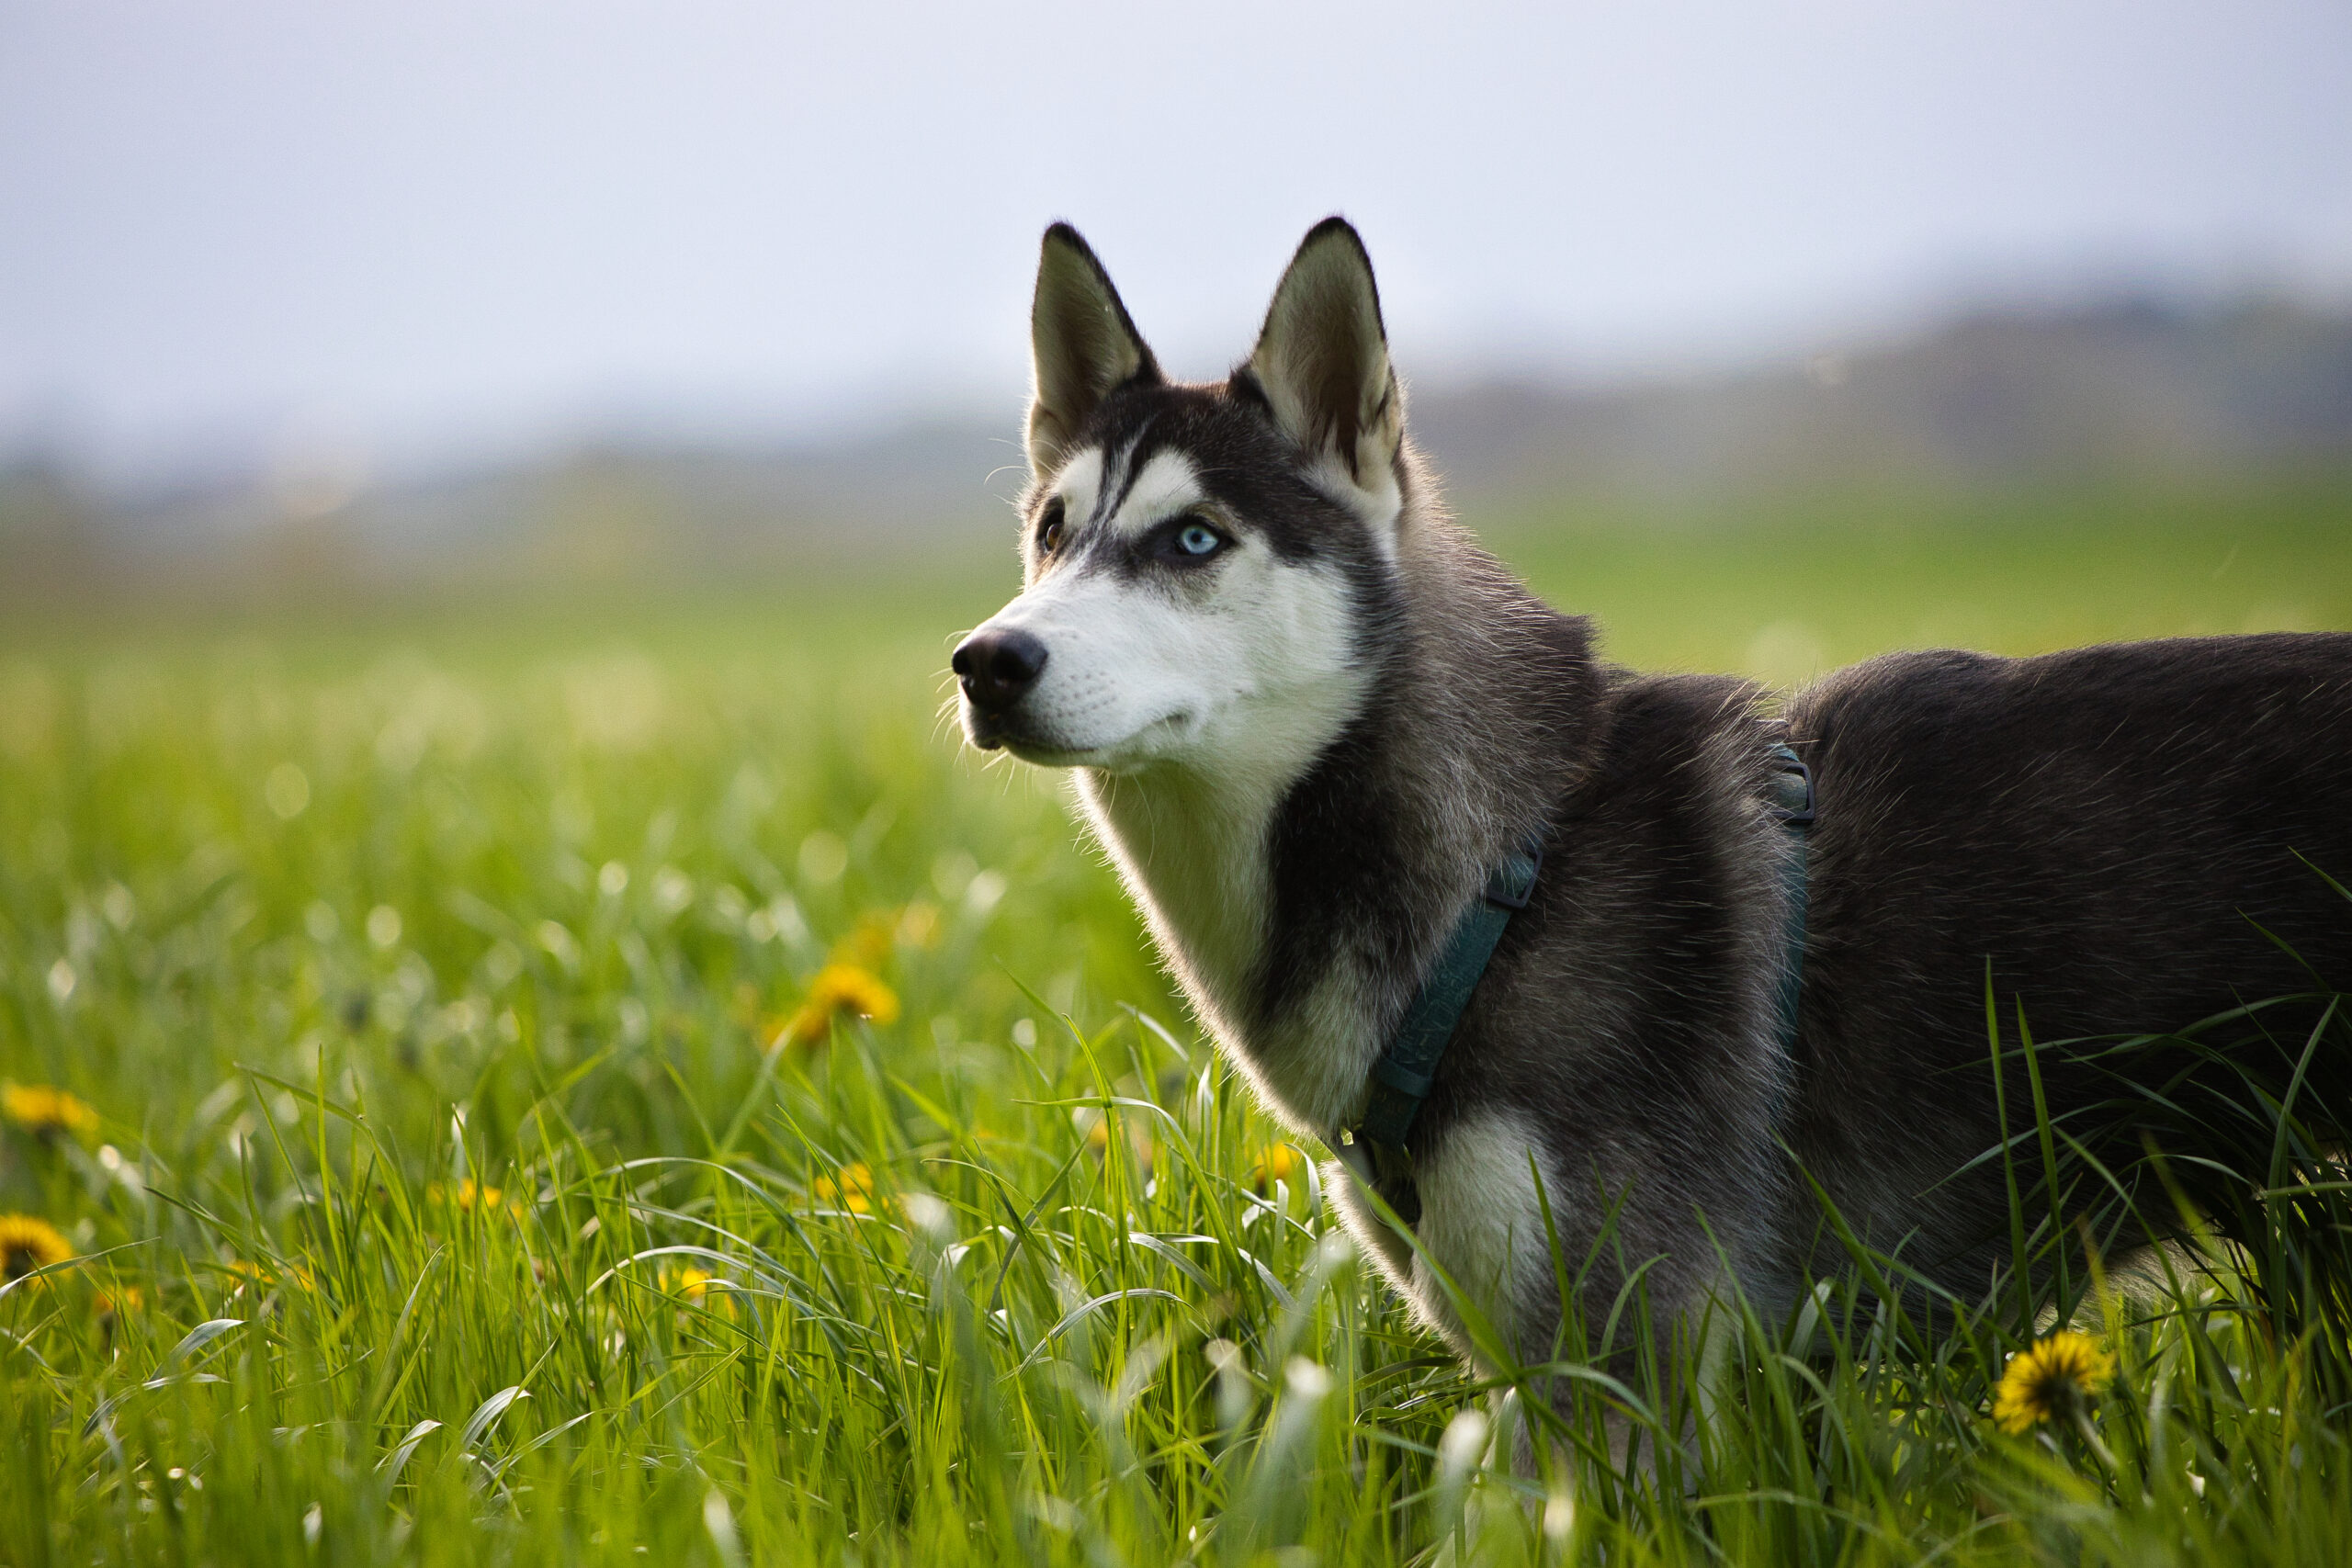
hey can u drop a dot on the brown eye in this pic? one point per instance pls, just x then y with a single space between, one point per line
1049 533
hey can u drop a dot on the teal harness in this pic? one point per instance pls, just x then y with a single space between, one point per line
1374 1147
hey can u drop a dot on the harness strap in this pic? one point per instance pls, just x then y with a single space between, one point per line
1374 1148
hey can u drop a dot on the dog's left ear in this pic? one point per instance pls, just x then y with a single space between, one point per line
1082 344
1322 357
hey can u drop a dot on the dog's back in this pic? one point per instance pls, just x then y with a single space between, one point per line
2127 835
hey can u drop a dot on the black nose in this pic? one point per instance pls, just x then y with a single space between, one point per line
996 667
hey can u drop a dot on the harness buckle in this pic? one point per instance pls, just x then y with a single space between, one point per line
1792 789
1510 885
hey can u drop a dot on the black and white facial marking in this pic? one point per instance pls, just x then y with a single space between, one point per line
1191 598
1198 558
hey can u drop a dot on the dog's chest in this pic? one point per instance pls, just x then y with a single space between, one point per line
1194 862
1196 866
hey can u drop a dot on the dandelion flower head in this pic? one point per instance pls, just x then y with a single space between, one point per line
1278 1162
2055 1380
469 1195
700 1287
839 988
851 1188
46 1111
27 1242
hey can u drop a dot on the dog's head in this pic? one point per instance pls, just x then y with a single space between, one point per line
1206 567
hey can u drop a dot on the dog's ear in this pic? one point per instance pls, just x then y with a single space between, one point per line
1081 346
1322 359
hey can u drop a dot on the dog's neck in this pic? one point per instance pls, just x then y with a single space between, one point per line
1299 898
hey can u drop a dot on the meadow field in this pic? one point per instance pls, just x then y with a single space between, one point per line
607 1080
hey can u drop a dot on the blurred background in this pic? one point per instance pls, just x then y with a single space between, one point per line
1774 332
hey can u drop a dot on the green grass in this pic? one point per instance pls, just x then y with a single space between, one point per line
328 920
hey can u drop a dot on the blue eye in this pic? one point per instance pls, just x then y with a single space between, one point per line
1199 539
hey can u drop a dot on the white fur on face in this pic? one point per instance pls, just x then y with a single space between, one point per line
1166 486
1243 667
1078 484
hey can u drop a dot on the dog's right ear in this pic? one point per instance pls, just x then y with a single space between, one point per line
1082 345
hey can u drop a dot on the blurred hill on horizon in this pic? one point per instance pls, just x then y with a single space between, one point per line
2130 395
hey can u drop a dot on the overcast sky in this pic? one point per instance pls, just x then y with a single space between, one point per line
424 229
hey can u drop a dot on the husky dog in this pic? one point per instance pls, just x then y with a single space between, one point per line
1308 716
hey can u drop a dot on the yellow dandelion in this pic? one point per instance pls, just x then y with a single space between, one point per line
1278 1162
700 1287
120 1301
839 988
1098 1132
851 1188
264 1277
27 1244
47 1112
469 1195
2055 1381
